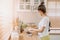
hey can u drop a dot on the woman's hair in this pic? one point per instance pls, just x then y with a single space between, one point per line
49 26
42 7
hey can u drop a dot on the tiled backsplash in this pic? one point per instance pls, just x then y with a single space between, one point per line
55 21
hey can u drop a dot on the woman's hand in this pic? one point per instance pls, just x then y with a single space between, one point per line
33 31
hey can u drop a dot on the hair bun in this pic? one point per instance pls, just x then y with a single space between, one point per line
42 3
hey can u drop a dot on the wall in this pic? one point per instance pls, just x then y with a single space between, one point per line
6 17
28 17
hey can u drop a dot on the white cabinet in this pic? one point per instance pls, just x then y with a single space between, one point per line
53 7
28 5
55 34
54 37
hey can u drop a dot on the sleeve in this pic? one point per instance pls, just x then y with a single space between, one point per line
45 22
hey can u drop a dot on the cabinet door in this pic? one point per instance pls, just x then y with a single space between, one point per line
30 5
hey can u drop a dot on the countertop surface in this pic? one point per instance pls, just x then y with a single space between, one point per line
55 31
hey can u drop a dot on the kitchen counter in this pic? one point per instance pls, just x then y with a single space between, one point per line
55 31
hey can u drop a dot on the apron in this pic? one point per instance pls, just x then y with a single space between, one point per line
45 37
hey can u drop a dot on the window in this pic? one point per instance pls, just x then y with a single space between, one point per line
28 4
27 0
27 7
21 7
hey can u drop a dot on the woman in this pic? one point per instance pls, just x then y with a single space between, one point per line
43 26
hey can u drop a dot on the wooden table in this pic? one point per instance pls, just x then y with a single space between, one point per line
25 36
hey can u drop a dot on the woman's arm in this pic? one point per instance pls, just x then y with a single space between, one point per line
38 30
